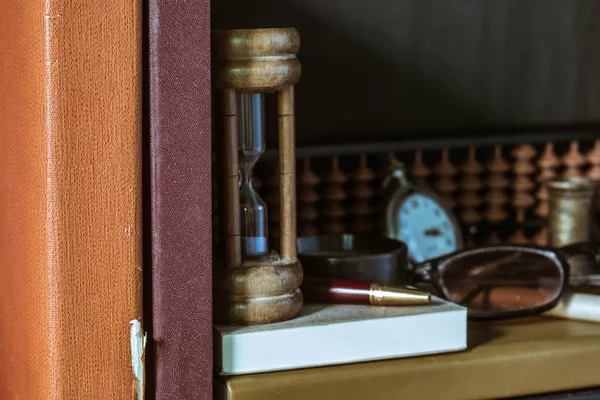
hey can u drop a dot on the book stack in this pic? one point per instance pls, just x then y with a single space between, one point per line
341 334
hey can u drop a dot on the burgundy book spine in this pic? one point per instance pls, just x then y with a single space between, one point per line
180 199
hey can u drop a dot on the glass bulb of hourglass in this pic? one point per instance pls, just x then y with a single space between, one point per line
251 139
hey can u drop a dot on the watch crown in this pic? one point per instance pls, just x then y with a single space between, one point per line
397 172
396 164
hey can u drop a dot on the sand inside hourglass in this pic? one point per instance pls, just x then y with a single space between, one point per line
251 145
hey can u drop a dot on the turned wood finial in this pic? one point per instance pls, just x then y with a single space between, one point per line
256 60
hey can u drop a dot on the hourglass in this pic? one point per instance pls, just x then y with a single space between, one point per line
251 143
260 285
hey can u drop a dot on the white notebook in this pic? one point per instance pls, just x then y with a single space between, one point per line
581 306
340 334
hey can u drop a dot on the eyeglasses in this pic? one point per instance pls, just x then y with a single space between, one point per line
499 282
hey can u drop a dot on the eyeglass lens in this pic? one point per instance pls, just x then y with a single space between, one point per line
501 280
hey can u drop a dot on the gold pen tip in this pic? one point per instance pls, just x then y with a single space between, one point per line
380 295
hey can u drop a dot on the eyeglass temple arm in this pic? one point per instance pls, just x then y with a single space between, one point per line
421 273
575 249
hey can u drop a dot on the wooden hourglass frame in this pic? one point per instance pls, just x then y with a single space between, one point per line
264 288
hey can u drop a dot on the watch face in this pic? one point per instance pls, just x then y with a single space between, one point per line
426 228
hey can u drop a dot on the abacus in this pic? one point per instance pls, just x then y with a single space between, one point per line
499 187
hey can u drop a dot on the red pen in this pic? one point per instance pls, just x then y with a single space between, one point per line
340 291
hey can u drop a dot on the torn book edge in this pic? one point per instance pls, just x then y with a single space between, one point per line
138 346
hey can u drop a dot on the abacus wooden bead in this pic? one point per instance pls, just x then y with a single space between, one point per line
307 197
573 160
335 227
444 167
593 158
471 183
419 170
522 200
363 173
445 184
541 238
361 193
523 165
519 238
495 212
498 164
542 208
498 182
308 178
335 194
548 160
494 239
471 166
336 175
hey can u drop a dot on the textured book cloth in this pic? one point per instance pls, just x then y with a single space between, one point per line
70 197
180 220
341 334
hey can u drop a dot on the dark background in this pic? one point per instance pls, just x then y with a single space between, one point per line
400 67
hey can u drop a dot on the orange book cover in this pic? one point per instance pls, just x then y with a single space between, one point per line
70 197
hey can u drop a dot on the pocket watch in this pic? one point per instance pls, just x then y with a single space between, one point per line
419 218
